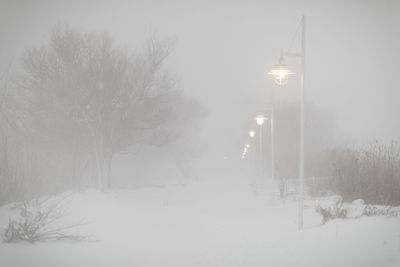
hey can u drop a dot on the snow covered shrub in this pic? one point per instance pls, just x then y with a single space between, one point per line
39 221
333 210
373 210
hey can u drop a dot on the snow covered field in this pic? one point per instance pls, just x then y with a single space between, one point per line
207 223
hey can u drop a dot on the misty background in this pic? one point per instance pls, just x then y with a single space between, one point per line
223 50
124 129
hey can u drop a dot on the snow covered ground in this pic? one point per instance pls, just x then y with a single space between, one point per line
208 223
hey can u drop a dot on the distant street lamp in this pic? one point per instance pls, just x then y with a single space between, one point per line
281 75
260 121
252 133
246 147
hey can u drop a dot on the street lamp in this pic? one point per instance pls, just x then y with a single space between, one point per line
260 121
281 72
246 147
281 75
252 133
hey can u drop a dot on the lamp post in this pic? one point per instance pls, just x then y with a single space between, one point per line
246 147
281 75
272 138
252 133
260 121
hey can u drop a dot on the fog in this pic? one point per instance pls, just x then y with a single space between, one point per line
219 58
223 50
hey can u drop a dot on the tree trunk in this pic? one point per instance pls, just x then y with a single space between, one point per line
108 166
99 165
103 159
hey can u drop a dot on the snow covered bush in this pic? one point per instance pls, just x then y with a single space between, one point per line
334 209
374 210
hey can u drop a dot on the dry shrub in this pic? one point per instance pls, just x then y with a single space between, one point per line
371 174
40 221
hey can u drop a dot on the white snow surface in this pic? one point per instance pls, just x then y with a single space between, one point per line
206 223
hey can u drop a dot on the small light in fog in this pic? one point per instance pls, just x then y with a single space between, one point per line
260 119
252 133
245 150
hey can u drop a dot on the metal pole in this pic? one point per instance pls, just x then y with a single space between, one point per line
261 151
301 174
272 139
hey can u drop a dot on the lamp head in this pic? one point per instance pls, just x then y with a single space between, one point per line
281 72
260 119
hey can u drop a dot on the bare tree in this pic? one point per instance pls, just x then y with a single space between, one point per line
87 93
13 149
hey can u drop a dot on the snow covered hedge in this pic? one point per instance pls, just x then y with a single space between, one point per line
334 208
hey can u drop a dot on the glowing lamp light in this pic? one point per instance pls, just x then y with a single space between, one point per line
260 119
252 133
281 73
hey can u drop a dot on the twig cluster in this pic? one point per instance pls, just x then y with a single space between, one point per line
40 221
